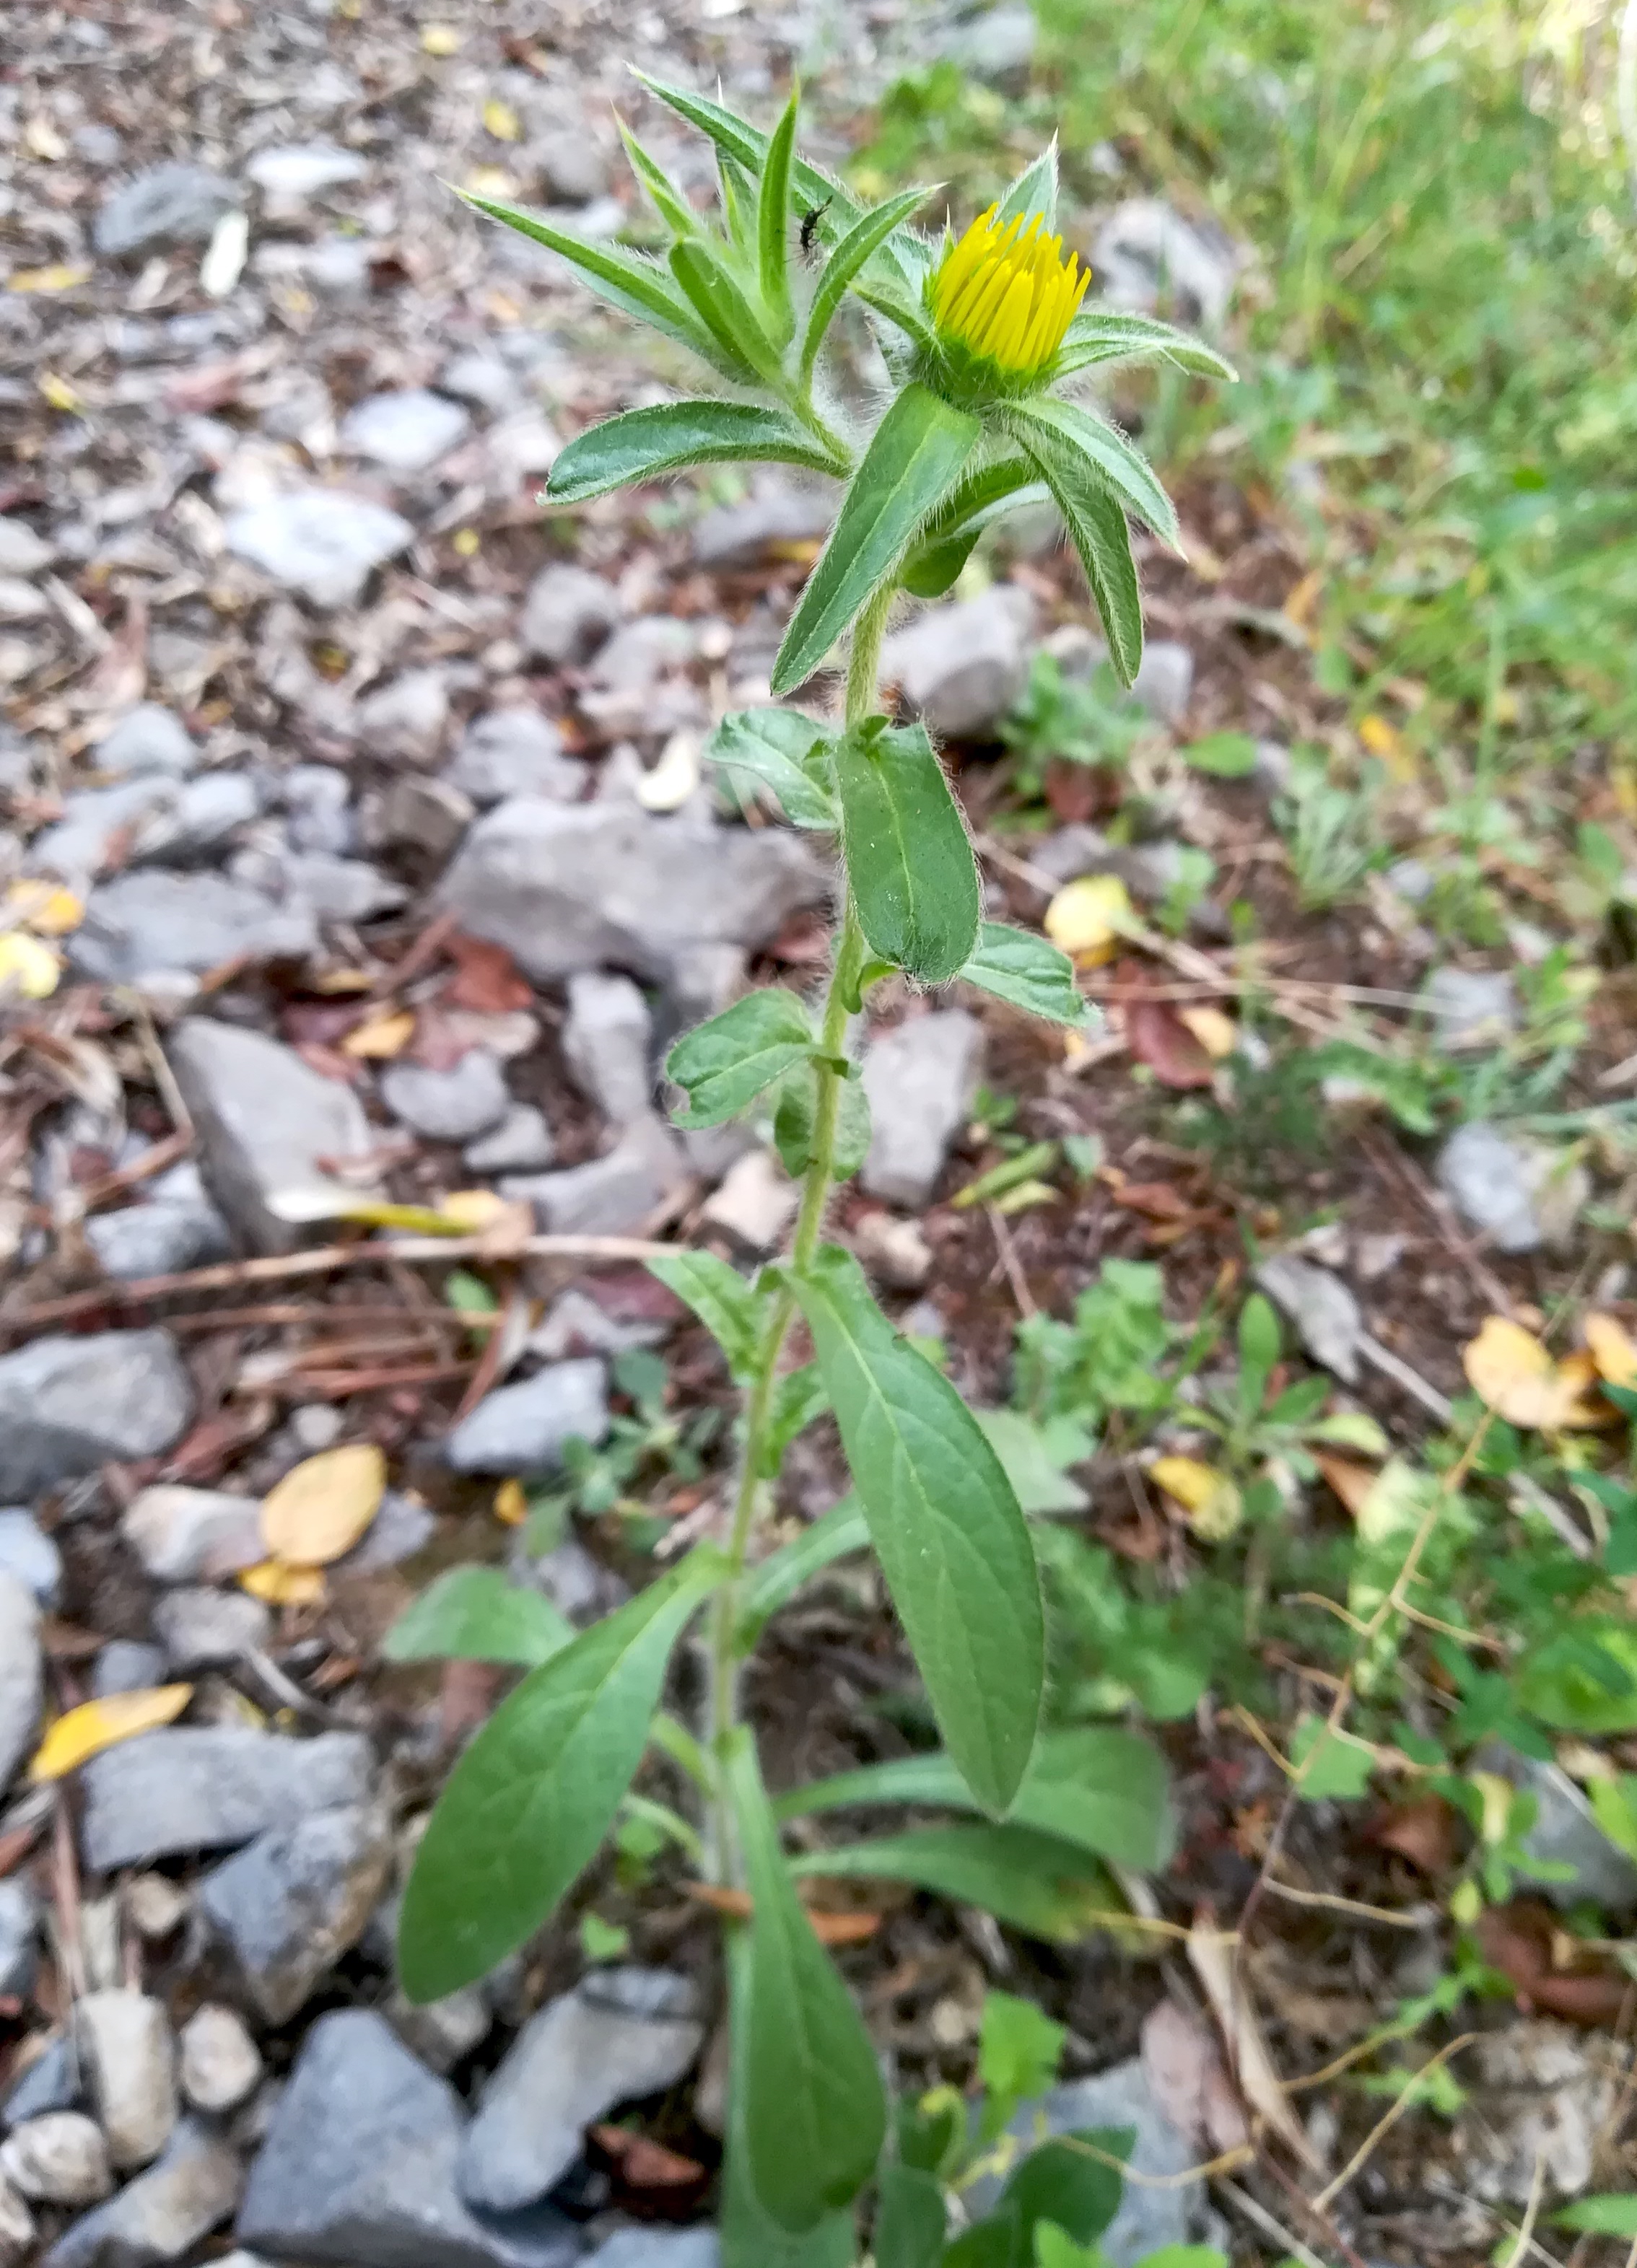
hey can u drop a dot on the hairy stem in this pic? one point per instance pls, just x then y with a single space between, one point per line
863 670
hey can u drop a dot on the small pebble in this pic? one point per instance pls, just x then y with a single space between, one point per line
155 1906
127 2042
61 2159
221 2063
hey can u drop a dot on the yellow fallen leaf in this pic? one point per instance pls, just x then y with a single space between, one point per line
501 121
1217 1033
467 543
440 40
380 1037
1088 918
46 908
278 1584
322 1508
1212 1502
511 1504
28 966
46 279
1611 1349
1582 1384
1380 738
96 1725
333 981
57 391
489 181
1512 1375
475 1210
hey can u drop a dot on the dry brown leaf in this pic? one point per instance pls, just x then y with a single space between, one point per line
1212 1960
1422 1831
85 1732
322 1508
1182 2061
1350 1481
828 1928
485 976
643 2163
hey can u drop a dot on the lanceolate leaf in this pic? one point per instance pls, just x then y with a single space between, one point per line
726 1064
668 200
1026 971
1107 335
747 146
750 2239
910 2219
918 450
1046 425
723 308
841 1530
642 443
811 2098
474 1614
1095 521
533 1797
910 866
729 1308
784 749
773 223
945 544
795 1119
1100 1789
1035 190
1031 1881
849 260
945 1525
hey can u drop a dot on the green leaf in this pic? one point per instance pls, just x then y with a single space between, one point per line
954 1545
1225 755
1184 2255
1033 1472
909 865
773 222
834 1535
849 259
474 1614
1600 2216
1026 971
1330 1764
1096 526
1101 1789
1062 426
978 499
815 2110
750 2239
723 309
1105 334
1065 2187
726 1064
797 1113
915 452
800 1397
635 286
668 200
1031 1881
1035 190
642 443
531 1799
910 2219
1259 1349
1019 2049
746 145
788 753
728 1305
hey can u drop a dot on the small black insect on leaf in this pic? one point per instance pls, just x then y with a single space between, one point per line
810 220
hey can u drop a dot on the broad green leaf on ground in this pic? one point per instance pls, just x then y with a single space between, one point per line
1225 755
910 2219
1600 2216
532 1798
909 865
833 1535
749 2238
954 1545
795 1119
726 1064
474 1614
1099 1788
916 453
1019 2049
1035 1461
1096 520
643 444
726 1302
1028 972
849 257
787 752
814 2111
1584 1678
1330 1764
1030 1881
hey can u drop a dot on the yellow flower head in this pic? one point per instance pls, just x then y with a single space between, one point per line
1004 296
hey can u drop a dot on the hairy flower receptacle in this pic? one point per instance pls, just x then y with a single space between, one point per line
1001 300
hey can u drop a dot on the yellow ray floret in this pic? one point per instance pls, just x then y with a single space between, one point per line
1005 292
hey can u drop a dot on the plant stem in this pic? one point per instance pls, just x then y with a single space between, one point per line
863 670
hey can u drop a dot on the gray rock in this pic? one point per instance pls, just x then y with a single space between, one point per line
640 653
894 1251
358 2169
264 1119
407 716
1565 1833
754 1204
620 2034
572 164
22 552
52 2082
19 1924
17 2228
659 2247
125 1665
210 1787
303 169
157 1237
1149 258
607 1041
920 1078
323 543
777 512
155 1906
341 889
130 2061
447 1106
171 205
997 46
522 1428
141 820
68 1405
429 815
479 376
317 800
1472 1007
147 738
577 1584
290 1904
611 1196
1149 2218
21 601
1325 1313
164 2212
203 1629
28 1553
1493 1180
590 885
406 431
150 924
567 614
964 663
59 2159
186 1535
442 2033
520 1144
510 752
402 1526
1164 681
576 1325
